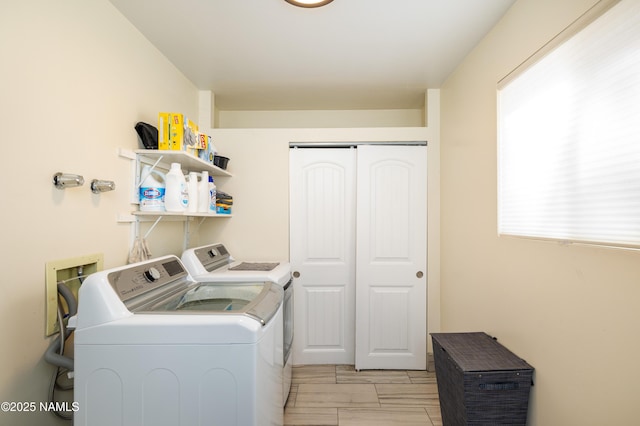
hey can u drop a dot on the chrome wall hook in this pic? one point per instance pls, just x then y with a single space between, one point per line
67 180
98 186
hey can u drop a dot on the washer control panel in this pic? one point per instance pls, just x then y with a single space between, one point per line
141 279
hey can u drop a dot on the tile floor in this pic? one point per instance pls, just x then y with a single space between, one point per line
337 395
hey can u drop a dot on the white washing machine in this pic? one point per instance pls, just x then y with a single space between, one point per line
214 263
155 347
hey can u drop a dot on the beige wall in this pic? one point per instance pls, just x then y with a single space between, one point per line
570 311
315 119
76 77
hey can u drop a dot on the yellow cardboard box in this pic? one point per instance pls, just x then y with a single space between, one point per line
206 153
176 132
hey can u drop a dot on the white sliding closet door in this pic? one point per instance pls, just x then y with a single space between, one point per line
391 275
322 251
358 249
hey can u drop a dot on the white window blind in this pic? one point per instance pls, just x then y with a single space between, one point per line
569 137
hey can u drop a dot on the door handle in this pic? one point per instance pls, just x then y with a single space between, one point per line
296 274
419 274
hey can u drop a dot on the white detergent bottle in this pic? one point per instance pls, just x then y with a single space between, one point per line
152 190
176 196
192 207
212 195
203 193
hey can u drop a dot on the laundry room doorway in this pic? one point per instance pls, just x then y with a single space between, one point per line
358 249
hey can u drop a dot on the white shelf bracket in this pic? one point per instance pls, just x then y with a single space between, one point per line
153 167
152 226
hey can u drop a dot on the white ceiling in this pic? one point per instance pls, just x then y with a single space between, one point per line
350 54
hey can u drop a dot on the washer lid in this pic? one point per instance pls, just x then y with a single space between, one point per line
257 300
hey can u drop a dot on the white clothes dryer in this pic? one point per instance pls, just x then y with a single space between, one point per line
214 263
155 347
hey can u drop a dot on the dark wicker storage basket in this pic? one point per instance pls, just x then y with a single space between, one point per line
480 382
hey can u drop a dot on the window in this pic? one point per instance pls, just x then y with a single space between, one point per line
569 135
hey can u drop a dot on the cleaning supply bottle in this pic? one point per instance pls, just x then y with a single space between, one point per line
204 197
176 197
212 195
192 207
152 190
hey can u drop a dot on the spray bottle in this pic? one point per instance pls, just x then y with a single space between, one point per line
212 196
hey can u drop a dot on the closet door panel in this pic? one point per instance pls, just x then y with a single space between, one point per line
322 251
391 257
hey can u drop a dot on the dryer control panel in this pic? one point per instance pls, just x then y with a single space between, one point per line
141 280
213 257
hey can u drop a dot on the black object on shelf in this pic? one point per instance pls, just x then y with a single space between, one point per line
220 161
148 135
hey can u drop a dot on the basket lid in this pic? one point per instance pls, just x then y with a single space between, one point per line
478 351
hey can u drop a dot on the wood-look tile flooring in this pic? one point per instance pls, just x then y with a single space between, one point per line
338 395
